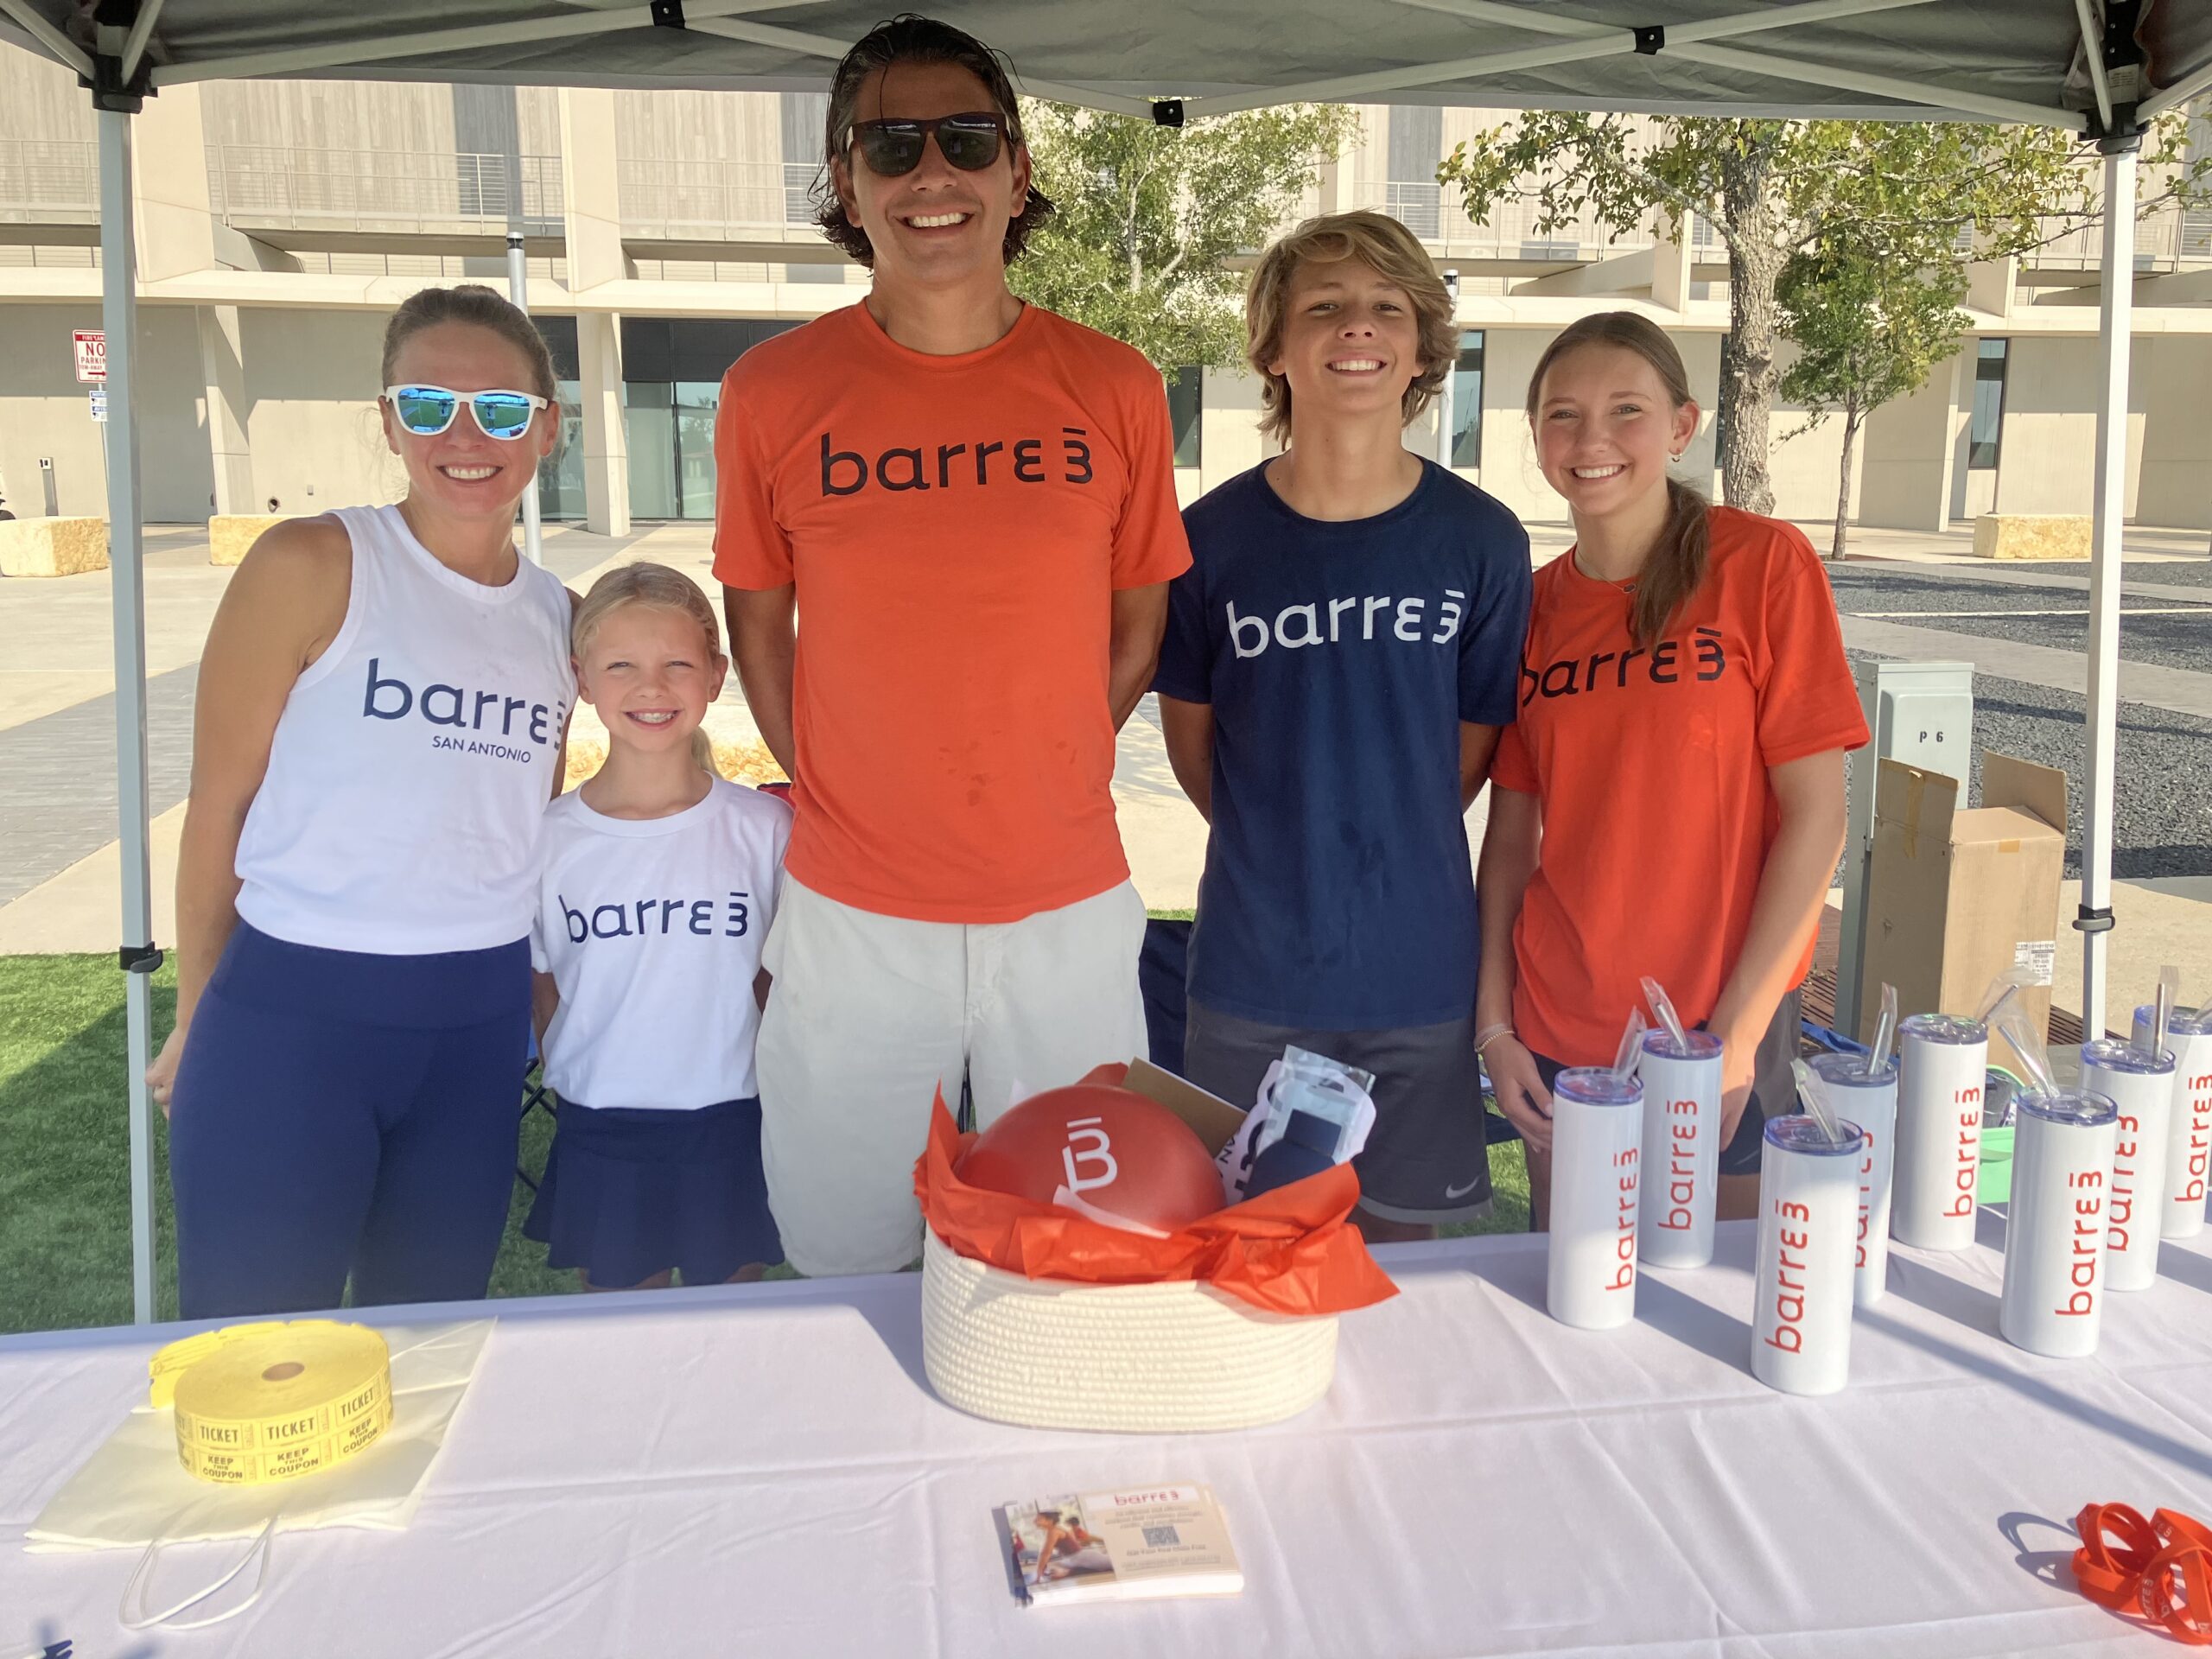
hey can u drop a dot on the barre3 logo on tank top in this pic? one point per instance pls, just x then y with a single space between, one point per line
491 724
640 919
1702 655
848 472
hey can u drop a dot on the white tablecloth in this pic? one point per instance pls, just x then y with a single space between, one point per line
762 1471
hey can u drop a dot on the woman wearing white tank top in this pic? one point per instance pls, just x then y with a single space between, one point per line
381 707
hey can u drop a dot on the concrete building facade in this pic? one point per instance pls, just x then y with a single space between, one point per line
280 222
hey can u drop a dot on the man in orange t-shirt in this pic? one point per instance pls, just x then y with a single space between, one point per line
972 503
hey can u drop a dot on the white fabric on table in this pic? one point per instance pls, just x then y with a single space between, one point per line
761 1469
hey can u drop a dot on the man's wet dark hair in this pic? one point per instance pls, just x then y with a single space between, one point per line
911 39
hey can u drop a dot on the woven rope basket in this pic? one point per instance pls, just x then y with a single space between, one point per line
1163 1358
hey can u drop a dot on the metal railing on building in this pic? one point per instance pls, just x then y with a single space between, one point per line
672 201
42 179
272 185
1511 234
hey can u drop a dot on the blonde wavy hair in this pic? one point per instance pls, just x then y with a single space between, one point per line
1386 247
646 583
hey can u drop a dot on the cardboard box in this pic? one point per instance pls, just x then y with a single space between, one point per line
1213 1119
1958 898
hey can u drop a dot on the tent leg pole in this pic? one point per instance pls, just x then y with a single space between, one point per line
2115 309
126 560
533 539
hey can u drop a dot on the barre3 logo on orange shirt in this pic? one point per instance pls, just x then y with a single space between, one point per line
1703 656
956 465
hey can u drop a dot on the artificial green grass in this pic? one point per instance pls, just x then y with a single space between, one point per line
64 1166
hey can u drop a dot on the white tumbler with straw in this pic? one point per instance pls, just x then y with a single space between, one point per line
1869 1100
1681 1139
2142 1086
2189 1128
1808 1216
1597 1149
1943 1063
2054 1226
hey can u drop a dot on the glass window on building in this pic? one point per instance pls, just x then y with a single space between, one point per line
672 369
1467 402
561 478
1413 197
801 117
1185 405
1985 432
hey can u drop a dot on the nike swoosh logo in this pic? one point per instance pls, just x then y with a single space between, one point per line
1462 1192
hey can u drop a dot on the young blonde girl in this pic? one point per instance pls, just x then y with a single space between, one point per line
658 884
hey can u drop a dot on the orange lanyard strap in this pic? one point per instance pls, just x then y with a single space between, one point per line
2161 1567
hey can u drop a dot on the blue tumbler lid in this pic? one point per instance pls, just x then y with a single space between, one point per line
1800 1132
2075 1107
1943 1029
2110 1054
1598 1085
1849 1071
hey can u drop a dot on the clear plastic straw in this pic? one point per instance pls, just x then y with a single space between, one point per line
1662 1010
2011 1018
1994 998
1632 1049
1815 1093
2162 1007
1885 1031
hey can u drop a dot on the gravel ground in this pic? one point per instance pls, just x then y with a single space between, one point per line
1866 588
2186 573
2163 787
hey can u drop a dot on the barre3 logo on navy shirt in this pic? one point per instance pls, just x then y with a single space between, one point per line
847 472
389 697
657 916
1663 663
1410 622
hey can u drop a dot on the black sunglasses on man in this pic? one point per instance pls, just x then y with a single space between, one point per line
970 142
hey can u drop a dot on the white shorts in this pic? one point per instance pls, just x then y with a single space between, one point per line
871 1015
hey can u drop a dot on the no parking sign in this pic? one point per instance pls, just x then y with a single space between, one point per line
91 346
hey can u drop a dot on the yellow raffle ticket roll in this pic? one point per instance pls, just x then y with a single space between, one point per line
272 1401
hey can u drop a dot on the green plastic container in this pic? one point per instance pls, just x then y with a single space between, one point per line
1995 1185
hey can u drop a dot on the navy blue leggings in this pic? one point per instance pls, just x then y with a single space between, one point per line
340 1113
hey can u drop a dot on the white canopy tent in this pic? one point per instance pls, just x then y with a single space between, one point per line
2101 68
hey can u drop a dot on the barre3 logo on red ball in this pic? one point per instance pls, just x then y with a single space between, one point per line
1112 1149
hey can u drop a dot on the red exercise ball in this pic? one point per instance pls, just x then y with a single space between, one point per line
1113 1149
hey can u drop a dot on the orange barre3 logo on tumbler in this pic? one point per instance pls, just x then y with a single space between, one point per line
2089 1227
1624 1277
1790 1294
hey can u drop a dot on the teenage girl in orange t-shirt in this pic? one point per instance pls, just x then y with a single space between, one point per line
1670 800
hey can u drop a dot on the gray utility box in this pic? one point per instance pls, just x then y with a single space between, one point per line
1922 714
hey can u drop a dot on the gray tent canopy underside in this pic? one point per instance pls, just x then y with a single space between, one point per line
2018 51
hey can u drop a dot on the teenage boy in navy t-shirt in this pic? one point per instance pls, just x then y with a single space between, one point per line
1339 660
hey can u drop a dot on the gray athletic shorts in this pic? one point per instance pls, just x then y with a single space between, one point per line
1426 1160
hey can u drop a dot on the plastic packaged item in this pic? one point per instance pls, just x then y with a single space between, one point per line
1597 1149
1869 1100
1808 1215
1681 1147
1306 1146
1943 1062
2053 1298
2141 1084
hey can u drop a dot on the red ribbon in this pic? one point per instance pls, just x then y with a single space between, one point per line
2161 1568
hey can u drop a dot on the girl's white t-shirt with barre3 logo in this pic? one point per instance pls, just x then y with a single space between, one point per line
410 771
651 928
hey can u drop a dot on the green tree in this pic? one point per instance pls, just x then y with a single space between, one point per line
1924 195
1866 330
1150 219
